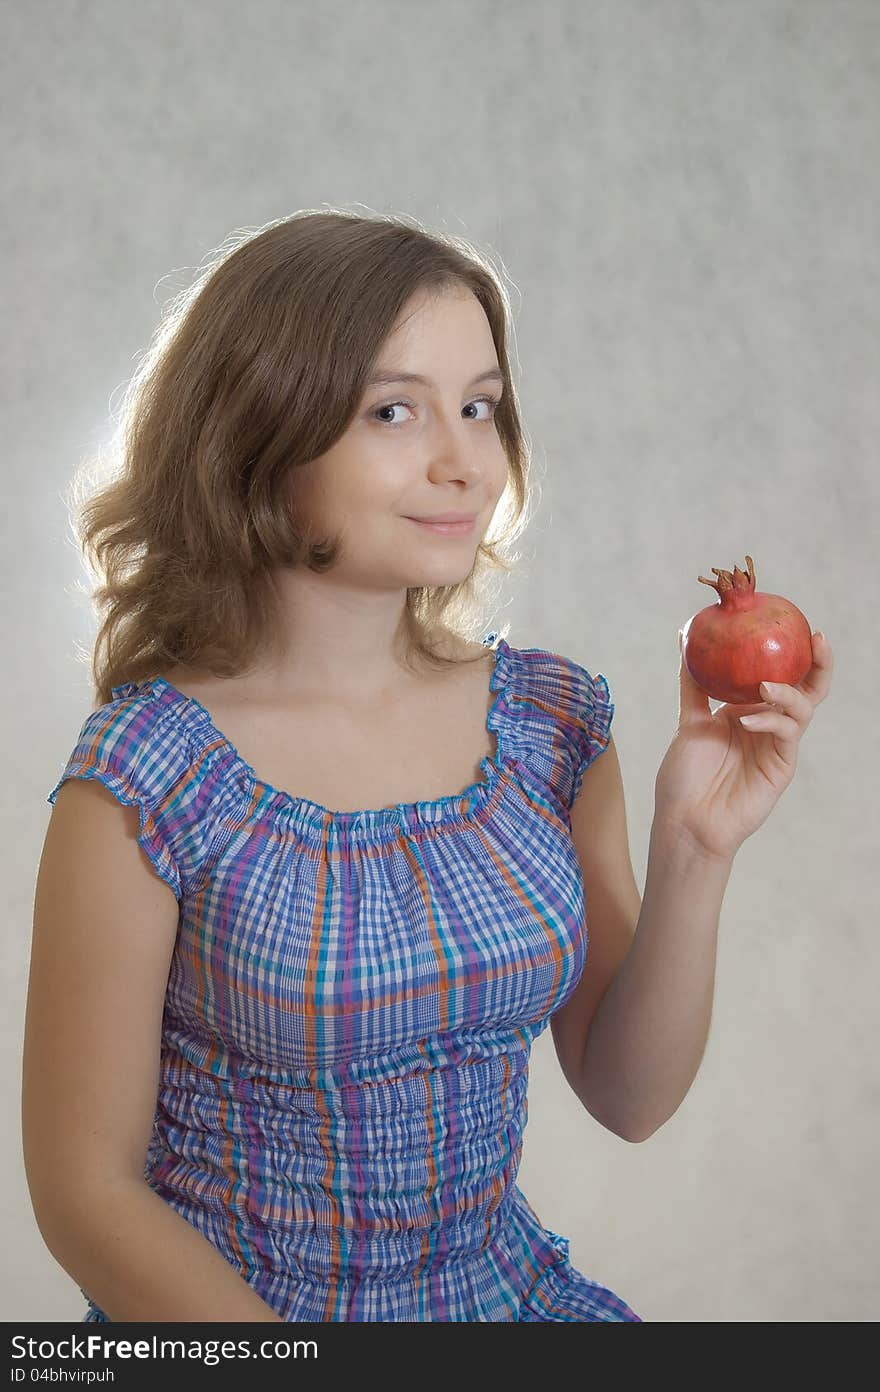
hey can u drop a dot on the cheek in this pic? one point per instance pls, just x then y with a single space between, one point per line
384 481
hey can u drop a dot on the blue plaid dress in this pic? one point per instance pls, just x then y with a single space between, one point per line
351 1004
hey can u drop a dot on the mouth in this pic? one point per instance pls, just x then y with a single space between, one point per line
452 529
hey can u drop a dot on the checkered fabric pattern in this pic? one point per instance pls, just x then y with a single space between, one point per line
352 1001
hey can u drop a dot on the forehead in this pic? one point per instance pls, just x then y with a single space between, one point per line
433 330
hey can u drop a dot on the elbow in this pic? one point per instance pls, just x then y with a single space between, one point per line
636 1138
66 1211
53 1221
632 1136
622 1130
644 1133
47 1191
55 1218
43 1204
623 1133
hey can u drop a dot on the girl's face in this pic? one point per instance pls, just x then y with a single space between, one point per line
415 449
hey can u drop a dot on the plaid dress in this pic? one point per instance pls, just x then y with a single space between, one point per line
351 1004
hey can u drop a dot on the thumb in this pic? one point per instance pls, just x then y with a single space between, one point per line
693 702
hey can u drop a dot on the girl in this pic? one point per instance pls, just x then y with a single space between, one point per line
321 866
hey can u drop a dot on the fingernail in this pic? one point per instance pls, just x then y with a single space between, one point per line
767 688
820 634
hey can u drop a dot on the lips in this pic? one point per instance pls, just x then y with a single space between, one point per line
460 528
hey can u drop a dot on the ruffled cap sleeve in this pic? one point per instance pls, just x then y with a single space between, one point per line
140 753
560 718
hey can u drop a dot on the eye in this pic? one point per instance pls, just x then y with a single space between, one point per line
491 401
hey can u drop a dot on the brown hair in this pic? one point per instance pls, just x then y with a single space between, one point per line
255 368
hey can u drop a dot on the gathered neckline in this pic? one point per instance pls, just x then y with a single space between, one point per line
426 811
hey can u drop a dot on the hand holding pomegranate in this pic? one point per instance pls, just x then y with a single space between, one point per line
720 779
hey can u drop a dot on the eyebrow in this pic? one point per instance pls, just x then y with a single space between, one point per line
390 375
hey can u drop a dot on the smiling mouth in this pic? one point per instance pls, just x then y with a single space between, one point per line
446 528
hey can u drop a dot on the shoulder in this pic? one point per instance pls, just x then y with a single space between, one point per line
561 716
135 737
562 689
133 746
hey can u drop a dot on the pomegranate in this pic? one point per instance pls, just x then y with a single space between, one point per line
729 648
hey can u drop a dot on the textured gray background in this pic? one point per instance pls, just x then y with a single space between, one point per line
685 197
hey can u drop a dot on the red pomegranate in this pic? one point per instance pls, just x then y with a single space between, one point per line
730 647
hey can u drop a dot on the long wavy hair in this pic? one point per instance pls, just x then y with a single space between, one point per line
256 368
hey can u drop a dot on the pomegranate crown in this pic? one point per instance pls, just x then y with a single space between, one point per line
738 581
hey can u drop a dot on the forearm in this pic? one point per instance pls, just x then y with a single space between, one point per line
648 1035
140 1260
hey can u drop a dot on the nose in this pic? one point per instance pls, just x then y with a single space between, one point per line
454 458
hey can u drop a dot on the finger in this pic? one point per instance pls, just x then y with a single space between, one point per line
817 683
790 700
786 732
